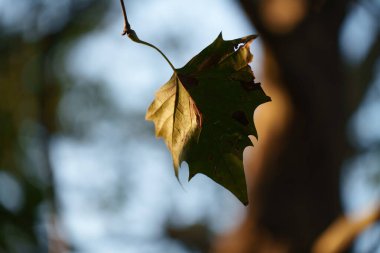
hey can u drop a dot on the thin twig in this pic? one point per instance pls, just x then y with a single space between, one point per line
133 36
127 26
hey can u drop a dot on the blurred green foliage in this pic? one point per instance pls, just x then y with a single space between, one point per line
34 36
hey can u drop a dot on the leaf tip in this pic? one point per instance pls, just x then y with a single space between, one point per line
176 167
220 36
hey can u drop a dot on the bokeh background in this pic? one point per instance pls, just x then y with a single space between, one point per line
80 168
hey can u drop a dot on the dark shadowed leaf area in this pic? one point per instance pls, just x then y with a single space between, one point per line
204 113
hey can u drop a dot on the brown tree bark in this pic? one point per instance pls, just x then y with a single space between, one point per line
293 172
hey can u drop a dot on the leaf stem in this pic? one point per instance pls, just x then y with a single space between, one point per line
153 46
133 36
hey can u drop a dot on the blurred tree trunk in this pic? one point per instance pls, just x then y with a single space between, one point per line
293 172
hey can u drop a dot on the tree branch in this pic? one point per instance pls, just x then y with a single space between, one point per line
127 27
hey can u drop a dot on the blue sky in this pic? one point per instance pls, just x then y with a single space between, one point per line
120 190
133 73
